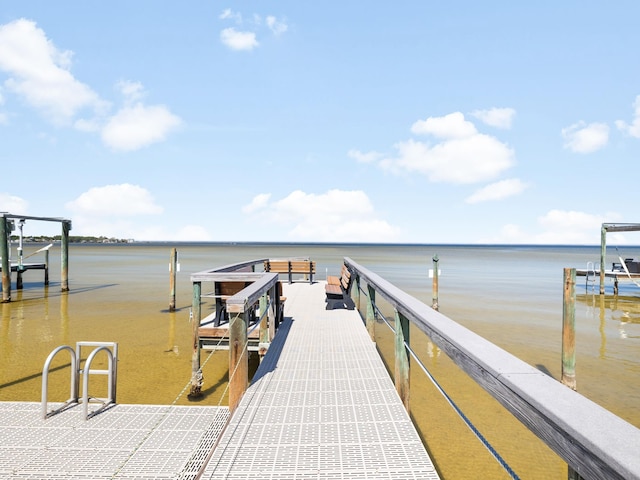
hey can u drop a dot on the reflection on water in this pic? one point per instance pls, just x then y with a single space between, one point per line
509 295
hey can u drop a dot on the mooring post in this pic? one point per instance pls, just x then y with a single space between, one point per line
46 267
173 266
64 254
196 374
371 313
434 303
569 329
238 357
4 253
603 255
402 366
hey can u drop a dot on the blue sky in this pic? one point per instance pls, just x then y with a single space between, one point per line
407 122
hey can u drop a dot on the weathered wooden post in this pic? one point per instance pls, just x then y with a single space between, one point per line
64 254
371 313
173 266
238 355
263 345
603 255
569 329
4 253
434 303
402 365
196 312
46 267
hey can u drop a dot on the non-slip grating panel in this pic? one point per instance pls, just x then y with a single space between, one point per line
326 409
124 442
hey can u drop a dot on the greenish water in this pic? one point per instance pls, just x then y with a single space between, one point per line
510 295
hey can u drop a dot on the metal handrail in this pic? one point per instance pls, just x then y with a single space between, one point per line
73 396
111 381
593 441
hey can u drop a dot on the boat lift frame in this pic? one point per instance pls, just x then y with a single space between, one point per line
611 227
6 224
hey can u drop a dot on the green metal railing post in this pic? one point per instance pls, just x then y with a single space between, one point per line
371 313
402 365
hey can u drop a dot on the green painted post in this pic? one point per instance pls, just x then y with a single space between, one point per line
173 266
64 254
371 313
569 329
46 267
402 365
196 312
4 253
238 358
355 292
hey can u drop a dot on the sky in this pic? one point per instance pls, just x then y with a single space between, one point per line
457 122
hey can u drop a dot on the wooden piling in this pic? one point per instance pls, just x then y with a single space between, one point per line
64 254
173 267
196 313
435 286
402 366
569 329
4 253
238 357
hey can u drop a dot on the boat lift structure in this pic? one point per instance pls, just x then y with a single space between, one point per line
7 225
611 227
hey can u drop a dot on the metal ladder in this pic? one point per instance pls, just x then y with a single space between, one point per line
111 349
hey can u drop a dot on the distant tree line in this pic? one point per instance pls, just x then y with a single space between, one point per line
72 239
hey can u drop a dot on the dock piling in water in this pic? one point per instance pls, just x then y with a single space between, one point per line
569 329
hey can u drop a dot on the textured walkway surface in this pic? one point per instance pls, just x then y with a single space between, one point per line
322 406
125 442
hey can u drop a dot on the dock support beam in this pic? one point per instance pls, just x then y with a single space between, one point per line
402 366
371 313
196 313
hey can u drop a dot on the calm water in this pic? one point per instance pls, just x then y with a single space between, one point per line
510 295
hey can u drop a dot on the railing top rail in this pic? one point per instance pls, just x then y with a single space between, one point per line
250 294
228 268
594 441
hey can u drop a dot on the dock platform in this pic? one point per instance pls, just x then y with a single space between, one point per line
321 406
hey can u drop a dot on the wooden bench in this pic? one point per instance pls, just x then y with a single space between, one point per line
338 290
290 267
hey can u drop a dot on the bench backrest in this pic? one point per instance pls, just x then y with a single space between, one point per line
345 278
287 266
228 289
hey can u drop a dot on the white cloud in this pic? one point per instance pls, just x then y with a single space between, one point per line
498 191
230 14
337 216
361 157
634 128
39 73
496 117
452 125
12 204
258 202
137 126
561 227
122 200
238 40
132 91
276 26
583 138
463 155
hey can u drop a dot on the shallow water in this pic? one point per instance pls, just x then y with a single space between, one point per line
510 295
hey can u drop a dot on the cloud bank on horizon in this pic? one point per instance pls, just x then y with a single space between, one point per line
473 166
